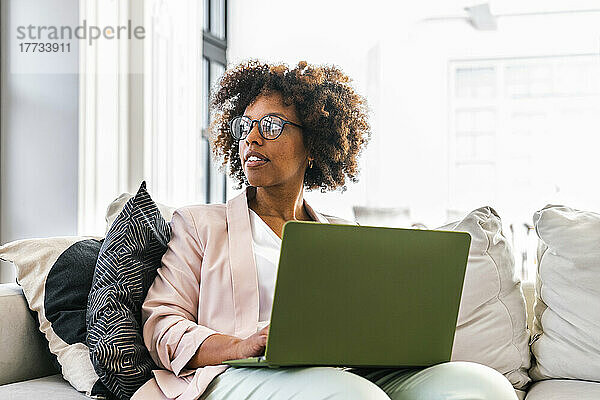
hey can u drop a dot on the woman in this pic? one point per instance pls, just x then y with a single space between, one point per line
281 131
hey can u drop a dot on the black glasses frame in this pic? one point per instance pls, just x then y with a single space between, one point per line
252 121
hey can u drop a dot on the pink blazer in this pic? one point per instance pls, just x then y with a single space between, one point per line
207 284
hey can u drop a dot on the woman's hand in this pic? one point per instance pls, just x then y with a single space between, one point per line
218 348
254 345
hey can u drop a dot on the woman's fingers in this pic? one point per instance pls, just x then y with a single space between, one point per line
264 334
254 345
264 331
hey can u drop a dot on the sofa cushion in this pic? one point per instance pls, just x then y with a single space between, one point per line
24 350
566 340
56 275
491 327
49 387
561 389
126 268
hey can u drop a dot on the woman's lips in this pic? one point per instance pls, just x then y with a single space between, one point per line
256 163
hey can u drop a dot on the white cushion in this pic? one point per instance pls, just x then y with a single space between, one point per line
558 389
491 327
49 387
566 340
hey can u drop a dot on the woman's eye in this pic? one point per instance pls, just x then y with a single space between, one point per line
274 128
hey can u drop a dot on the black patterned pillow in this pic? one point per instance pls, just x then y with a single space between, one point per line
126 267
56 275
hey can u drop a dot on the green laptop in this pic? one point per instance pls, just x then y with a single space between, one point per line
364 296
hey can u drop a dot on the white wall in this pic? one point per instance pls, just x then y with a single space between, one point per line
39 136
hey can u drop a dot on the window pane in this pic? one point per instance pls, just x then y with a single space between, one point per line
476 82
217 179
206 12
205 93
217 18
529 80
216 71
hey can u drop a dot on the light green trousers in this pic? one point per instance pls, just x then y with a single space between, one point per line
449 381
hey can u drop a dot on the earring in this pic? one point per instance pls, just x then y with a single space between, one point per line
310 163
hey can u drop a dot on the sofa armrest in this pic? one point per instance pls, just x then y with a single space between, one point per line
24 350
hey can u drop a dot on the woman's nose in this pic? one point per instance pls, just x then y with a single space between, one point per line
254 135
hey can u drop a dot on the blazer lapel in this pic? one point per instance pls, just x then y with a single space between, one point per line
242 262
243 267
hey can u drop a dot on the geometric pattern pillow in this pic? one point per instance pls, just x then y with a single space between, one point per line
126 267
116 206
56 275
491 327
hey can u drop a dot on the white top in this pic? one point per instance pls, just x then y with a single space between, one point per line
267 246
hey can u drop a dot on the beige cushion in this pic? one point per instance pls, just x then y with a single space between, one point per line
567 311
116 206
491 327
559 389
24 351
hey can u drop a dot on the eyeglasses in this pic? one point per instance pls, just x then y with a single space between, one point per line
270 127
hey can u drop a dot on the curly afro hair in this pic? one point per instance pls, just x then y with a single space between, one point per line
333 115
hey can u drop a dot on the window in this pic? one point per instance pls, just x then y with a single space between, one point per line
518 134
178 82
154 126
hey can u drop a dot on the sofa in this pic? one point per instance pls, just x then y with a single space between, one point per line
568 257
27 370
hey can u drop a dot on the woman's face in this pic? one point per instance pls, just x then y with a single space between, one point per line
287 157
